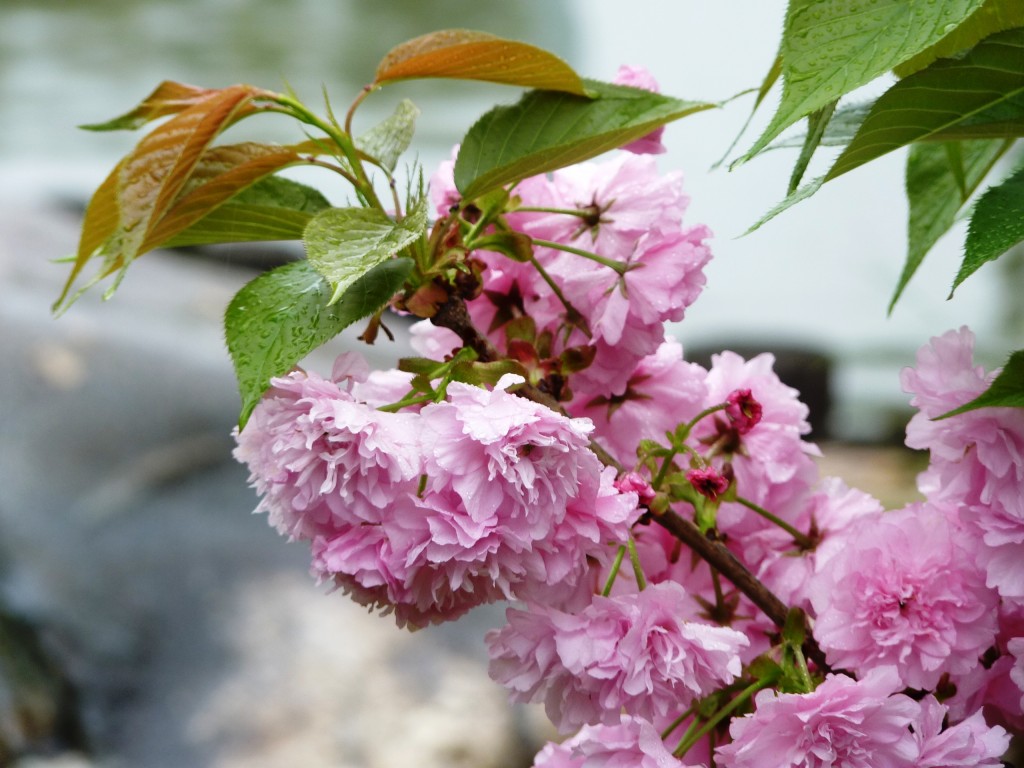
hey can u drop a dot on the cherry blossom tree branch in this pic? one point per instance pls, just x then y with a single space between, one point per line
454 316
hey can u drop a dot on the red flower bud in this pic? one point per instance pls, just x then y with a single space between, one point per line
708 482
743 410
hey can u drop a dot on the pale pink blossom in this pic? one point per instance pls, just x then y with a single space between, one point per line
662 391
1016 648
902 591
629 652
843 722
630 742
321 460
970 743
977 458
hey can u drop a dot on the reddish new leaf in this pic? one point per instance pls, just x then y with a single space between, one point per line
148 181
469 55
169 98
218 176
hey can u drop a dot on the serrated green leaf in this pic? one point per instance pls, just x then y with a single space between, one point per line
770 78
997 224
993 16
792 199
845 122
283 315
272 209
342 244
817 122
978 96
545 131
936 191
1007 390
831 47
387 140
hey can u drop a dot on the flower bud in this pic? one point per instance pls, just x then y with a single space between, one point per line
743 410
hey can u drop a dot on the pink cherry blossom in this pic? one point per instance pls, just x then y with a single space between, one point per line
902 591
630 651
1016 647
970 743
661 392
977 458
628 743
843 722
322 460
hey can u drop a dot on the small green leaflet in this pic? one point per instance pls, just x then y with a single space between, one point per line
997 225
1006 391
831 47
283 315
387 140
547 130
342 244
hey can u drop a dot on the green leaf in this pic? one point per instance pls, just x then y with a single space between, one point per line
831 47
817 122
839 132
387 140
792 199
978 96
271 209
545 131
993 16
1006 391
997 224
770 77
470 55
342 244
283 315
936 191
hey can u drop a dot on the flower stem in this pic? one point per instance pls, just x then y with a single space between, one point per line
692 738
618 266
802 540
614 572
634 558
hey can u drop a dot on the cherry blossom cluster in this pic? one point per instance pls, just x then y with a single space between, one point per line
551 488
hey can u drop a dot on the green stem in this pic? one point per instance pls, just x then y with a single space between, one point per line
575 318
677 722
720 715
801 665
703 414
405 402
618 266
344 142
663 470
634 558
802 540
543 209
614 572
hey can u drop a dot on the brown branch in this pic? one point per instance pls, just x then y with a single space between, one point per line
454 316
721 558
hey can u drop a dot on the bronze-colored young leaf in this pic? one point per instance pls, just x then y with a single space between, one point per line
148 181
218 176
169 98
545 131
980 95
469 55
831 47
993 16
